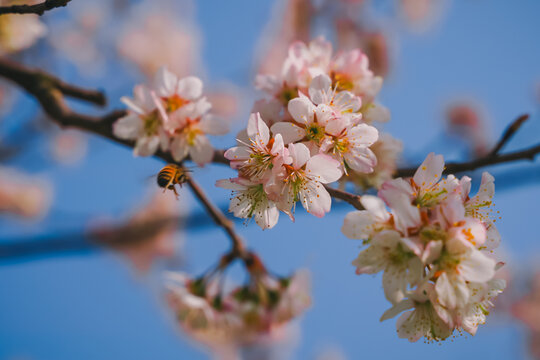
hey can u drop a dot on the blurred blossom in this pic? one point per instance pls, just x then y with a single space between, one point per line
290 21
225 100
24 195
160 237
19 32
527 310
78 36
464 120
255 315
350 34
331 353
153 38
69 147
421 15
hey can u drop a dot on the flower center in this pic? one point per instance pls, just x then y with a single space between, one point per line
257 164
342 82
341 145
314 132
173 103
287 94
151 123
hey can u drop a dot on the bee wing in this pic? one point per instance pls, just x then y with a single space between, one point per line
151 177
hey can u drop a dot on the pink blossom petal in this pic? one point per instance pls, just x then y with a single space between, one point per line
128 127
358 225
257 130
289 132
165 82
302 110
315 199
320 88
477 267
299 154
396 309
324 169
202 151
376 207
189 88
429 173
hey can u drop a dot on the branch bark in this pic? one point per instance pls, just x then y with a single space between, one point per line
37 9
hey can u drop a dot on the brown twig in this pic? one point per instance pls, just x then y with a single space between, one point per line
351 198
219 218
37 9
493 158
508 133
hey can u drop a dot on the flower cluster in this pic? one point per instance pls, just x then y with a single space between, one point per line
240 317
433 248
315 128
171 115
349 71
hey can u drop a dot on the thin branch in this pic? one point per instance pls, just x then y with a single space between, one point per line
351 198
457 167
219 218
39 83
508 133
116 237
37 9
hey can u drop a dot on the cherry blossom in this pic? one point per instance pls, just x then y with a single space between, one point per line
259 154
328 123
250 200
431 245
172 115
143 123
303 181
246 315
350 79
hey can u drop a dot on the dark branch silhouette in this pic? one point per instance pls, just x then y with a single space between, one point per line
508 133
37 9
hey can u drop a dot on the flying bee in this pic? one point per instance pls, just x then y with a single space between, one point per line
171 175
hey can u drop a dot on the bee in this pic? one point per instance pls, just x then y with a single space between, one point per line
171 175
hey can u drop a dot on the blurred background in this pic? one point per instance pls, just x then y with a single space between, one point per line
456 74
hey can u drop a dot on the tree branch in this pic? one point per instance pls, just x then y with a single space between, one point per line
219 218
508 133
37 9
493 158
50 91
116 237
351 198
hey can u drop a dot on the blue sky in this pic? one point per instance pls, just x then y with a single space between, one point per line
91 306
